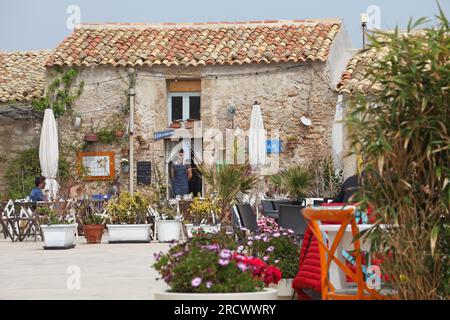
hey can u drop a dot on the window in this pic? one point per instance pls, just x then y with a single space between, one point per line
183 106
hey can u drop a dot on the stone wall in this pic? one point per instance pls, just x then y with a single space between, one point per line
16 136
284 95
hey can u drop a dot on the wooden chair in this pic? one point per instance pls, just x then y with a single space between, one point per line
344 217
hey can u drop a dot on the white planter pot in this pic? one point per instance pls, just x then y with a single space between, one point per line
129 232
168 230
284 288
59 236
266 294
208 228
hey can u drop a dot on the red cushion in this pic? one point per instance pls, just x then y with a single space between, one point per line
308 275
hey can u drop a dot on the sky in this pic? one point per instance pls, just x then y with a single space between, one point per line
42 24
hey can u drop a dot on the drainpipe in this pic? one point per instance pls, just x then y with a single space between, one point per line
131 95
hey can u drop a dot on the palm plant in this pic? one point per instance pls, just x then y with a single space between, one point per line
296 181
227 181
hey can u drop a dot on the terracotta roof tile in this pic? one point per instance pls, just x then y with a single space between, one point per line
355 79
22 75
193 44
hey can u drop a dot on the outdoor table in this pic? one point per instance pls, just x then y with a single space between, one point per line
338 278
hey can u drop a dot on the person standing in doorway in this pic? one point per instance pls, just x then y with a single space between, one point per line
181 173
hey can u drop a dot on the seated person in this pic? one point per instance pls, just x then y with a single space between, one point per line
348 189
37 193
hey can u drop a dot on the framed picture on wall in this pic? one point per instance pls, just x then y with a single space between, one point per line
96 165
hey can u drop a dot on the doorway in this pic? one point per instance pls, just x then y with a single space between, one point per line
193 154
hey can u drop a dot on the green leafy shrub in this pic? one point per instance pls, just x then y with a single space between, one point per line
106 136
211 268
50 216
202 210
296 181
280 248
127 208
227 181
23 170
401 134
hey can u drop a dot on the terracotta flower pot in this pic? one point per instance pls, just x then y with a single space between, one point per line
90 137
175 125
93 233
189 124
119 133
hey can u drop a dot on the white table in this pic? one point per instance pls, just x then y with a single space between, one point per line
336 275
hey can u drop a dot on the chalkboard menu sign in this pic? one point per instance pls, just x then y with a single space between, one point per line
144 172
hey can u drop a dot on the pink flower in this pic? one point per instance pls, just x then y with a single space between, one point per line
270 249
225 254
242 266
224 262
209 284
265 258
196 282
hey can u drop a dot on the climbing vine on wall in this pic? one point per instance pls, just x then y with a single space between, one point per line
60 95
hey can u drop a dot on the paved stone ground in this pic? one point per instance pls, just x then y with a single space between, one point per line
108 271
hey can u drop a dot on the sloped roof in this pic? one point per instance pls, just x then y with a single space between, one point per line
197 44
22 75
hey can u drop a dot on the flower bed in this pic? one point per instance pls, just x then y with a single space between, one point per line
211 264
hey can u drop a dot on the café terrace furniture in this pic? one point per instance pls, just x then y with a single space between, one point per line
291 217
248 217
20 220
342 235
268 209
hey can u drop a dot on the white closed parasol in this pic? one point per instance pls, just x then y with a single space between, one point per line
337 135
49 152
256 138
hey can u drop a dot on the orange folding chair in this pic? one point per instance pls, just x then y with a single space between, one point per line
343 216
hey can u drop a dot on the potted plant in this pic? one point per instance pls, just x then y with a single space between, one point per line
297 182
93 224
205 268
168 227
91 136
128 218
202 214
58 231
124 165
189 123
227 181
279 247
175 124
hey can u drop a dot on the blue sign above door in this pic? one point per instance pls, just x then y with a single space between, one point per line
163 134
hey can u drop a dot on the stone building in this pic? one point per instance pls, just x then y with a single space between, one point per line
354 80
202 71
22 79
